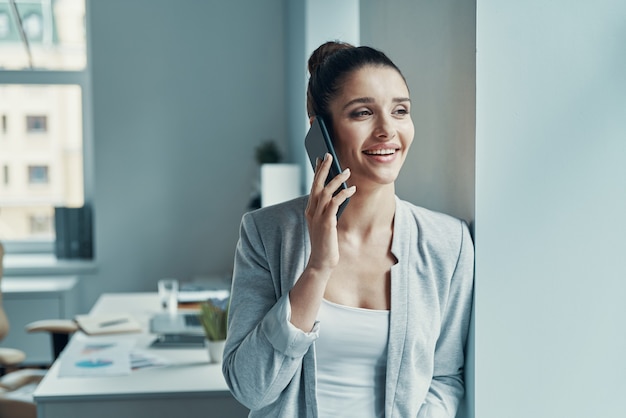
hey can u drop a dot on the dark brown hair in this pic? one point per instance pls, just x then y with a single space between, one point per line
329 66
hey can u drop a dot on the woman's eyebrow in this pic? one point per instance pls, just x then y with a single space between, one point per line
367 100
359 100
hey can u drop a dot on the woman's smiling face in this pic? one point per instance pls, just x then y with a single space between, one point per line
372 125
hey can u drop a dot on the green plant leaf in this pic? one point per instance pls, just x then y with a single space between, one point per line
268 152
213 317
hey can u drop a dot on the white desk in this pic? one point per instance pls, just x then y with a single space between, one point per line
189 387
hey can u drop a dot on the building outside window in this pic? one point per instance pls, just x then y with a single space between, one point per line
44 88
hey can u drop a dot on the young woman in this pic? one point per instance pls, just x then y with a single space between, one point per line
365 316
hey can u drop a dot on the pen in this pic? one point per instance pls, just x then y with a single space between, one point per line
113 322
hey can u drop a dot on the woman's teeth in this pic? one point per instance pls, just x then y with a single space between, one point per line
381 152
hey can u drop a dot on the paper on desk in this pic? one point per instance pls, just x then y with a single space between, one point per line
141 359
96 356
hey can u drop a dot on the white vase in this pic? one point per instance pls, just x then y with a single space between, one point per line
216 350
279 182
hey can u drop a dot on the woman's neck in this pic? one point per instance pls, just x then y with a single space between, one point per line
369 211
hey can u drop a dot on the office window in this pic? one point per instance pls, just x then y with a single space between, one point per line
36 124
44 88
55 35
38 174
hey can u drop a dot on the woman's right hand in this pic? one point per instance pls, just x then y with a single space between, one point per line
321 215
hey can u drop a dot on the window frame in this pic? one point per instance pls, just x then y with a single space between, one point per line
81 78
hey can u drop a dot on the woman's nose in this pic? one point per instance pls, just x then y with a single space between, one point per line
385 128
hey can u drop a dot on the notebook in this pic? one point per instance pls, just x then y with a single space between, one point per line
180 323
107 324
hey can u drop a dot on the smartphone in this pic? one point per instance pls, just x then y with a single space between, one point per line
317 144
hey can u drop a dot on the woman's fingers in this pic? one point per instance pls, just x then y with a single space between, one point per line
319 179
325 198
321 171
341 197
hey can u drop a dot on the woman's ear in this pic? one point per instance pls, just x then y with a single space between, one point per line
311 118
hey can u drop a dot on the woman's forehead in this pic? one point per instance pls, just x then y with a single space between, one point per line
374 82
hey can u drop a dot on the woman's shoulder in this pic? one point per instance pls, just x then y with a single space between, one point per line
430 224
286 213
428 216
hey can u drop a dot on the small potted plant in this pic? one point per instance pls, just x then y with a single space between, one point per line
268 153
213 316
278 181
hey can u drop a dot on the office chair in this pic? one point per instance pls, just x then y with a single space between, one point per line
17 387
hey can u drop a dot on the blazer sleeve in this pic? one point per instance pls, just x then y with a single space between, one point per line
447 386
263 350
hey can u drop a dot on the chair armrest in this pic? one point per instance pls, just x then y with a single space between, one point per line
11 356
18 379
54 326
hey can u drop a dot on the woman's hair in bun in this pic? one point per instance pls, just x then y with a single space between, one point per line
323 52
330 64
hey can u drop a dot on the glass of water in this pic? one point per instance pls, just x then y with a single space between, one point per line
168 294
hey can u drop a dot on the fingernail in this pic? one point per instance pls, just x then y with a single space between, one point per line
326 156
346 171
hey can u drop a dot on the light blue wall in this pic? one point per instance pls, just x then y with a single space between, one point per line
550 207
182 93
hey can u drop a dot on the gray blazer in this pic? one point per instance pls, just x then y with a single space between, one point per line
269 364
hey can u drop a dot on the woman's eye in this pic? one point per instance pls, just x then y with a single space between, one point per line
360 113
401 111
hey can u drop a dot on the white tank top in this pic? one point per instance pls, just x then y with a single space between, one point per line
351 354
